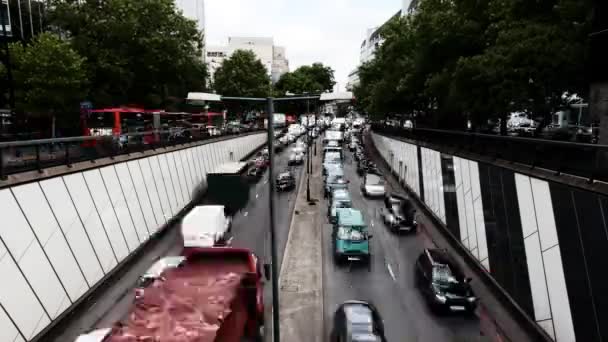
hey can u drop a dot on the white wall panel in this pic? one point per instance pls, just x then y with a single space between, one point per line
558 294
106 212
201 159
92 223
19 301
183 173
43 280
69 221
168 181
538 284
196 167
161 187
548 327
208 155
121 208
190 180
544 213
480 225
526 204
131 197
44 225
174 168
14 230
470 215
8 331
150 184
66 267
142 196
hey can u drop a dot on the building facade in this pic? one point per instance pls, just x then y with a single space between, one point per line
280 64
195 10
353 80
272 57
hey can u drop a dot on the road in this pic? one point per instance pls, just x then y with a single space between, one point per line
250 229
389 282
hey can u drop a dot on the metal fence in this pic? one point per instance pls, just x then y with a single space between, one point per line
21 156
585 160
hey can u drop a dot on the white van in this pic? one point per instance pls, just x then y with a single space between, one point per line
206 226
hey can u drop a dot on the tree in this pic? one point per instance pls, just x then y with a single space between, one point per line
137 51
50 78
242 75
315 78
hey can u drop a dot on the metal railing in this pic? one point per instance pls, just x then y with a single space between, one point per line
30 155
589 161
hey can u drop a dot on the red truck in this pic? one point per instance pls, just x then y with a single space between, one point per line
213 294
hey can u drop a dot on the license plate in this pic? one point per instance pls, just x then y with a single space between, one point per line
458 308
353 259
405 228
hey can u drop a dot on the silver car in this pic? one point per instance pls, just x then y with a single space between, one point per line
373 186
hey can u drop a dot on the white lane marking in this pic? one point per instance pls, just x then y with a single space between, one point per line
266 181
246 213
372 223
256 195
390 271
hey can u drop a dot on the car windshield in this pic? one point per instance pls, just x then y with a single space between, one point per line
372 179
335 179
442 274
350 233
343 204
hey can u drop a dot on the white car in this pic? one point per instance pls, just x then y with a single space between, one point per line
373 186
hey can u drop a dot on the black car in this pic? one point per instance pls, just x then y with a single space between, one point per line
357 321
399 214
443 284
286 181
366 166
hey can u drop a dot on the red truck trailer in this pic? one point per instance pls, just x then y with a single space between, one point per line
215 294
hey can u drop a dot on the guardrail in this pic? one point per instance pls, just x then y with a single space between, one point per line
589 161
30 155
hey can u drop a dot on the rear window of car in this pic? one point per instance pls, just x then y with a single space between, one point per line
374 179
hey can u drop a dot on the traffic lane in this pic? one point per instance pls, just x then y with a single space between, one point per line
389 283
251 226
251 216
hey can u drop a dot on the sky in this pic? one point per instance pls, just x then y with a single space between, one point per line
326 31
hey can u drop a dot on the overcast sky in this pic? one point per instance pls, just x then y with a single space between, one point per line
327 31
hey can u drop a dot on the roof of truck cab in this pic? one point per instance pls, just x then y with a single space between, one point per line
350 217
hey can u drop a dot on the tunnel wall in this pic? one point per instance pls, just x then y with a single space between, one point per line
544 242
61 236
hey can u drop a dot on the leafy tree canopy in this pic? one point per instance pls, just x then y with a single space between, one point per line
242 75
315 78
137 51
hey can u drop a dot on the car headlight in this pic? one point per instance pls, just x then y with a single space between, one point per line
471 299
440 298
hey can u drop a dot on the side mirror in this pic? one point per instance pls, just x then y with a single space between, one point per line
267 271
369 236
468 280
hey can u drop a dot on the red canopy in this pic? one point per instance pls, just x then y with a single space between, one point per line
125 110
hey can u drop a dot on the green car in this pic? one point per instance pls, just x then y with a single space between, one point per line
351 237
340 198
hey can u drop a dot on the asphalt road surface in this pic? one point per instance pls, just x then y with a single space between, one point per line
249 227
389 282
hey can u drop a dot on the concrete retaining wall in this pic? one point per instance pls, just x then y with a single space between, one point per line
60 236
544 242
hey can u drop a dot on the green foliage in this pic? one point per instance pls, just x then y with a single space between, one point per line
314 79
454 59
137 51
49 76
242 75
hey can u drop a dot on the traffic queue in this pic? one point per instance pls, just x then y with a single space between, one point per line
437 276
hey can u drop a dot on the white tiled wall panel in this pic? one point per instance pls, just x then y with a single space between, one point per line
92 223
69 221
120 206
61 235
46 228
131 197
142 196
161 187
150 184
168 182
106 213
547 280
